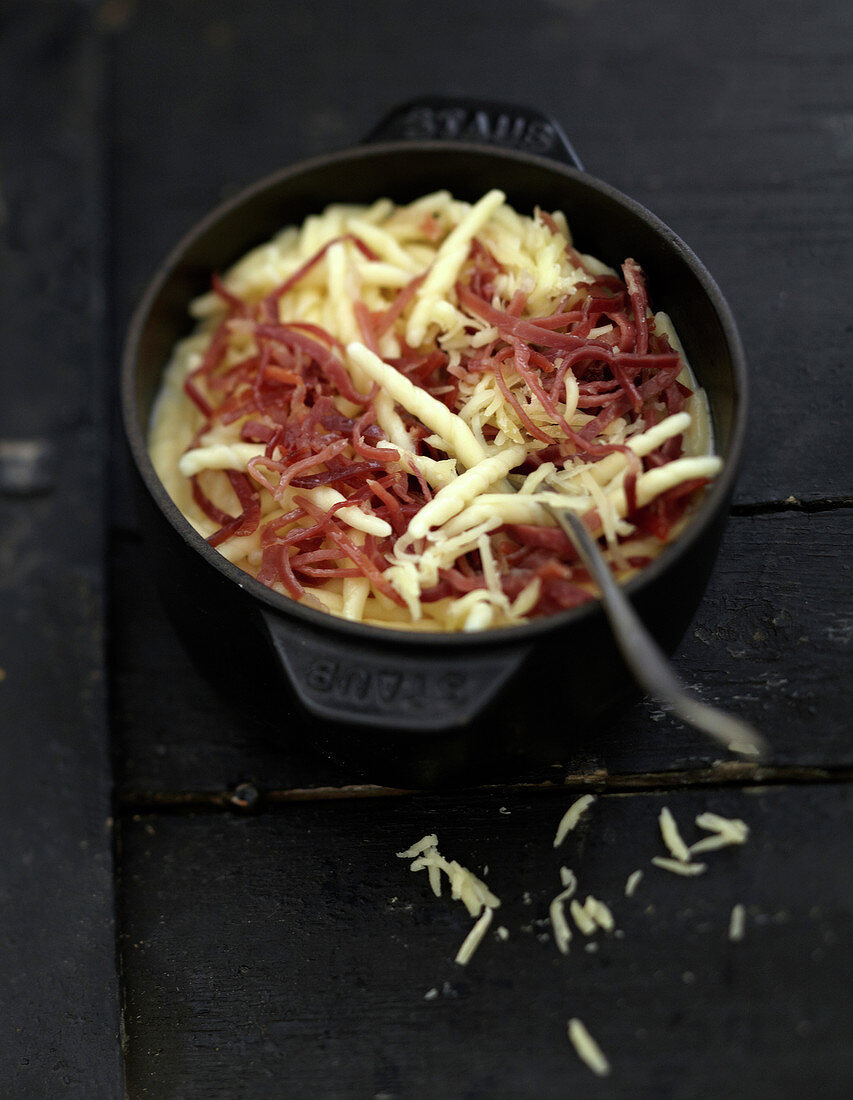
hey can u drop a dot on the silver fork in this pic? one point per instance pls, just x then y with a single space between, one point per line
647 662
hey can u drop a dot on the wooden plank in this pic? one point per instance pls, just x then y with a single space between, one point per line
738 136
294 952
770 640
57 940
732 127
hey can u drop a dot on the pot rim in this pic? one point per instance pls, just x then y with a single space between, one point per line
716 497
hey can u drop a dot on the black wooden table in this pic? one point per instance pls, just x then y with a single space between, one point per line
195 907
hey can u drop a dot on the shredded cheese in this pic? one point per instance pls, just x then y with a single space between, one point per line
587 1048
474 938
599 913
477 898
672 837
678 867
726 832
559 924
452 429
583 919
451 499
426 842
571 817
445 268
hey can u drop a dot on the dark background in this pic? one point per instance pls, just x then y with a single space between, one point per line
192 908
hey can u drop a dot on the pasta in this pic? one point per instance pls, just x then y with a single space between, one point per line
343 420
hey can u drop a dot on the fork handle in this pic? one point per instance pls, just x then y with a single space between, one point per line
644 657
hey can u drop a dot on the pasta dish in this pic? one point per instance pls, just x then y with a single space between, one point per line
344 420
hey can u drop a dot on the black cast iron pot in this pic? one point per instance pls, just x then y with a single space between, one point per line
409 709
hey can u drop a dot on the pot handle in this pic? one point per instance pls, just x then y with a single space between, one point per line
480 121
379 684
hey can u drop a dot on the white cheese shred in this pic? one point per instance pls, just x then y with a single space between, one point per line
600 913
556 911
583 919
632 883
571 817
567 877
452 428
587 1048
672 837
428 841
725 832
737 923
474 938
678 867
477 898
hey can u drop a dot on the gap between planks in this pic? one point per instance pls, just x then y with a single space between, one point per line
246 797
791 504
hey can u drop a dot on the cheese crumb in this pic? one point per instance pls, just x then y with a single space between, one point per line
632 883
737 923
587 1049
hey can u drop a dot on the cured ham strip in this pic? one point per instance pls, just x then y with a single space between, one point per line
636 284
361 560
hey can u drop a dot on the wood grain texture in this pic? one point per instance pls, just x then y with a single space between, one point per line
290 952
770 640
294 952
57 947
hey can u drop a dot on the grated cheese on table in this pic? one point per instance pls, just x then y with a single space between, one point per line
428 841
477 898
672 837
587 1048
593 914
582 918
599 913
737 923
571 817
473 939
725 832
556 911
678 867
